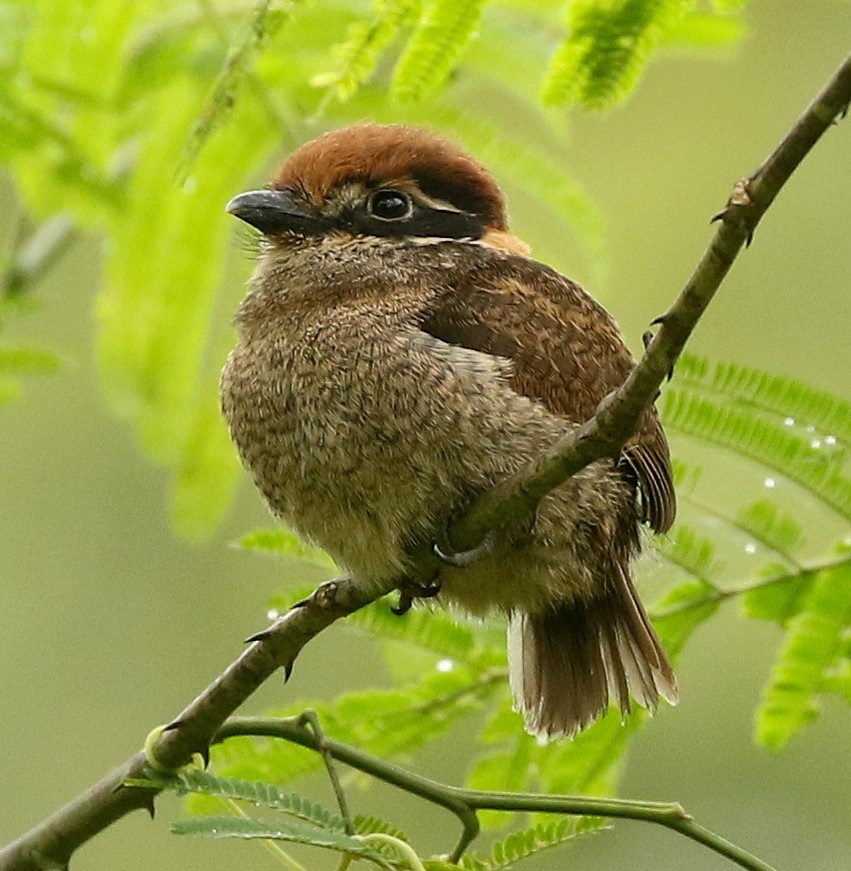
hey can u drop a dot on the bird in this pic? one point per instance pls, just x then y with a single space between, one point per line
399 353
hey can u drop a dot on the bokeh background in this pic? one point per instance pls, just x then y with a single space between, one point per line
109 624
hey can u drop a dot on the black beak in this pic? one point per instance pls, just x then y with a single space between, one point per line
275 212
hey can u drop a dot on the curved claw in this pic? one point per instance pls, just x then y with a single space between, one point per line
409 592
463 558
406 600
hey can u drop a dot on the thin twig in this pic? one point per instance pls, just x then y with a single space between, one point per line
35 257
735 523
309 718
721 594
51 843
270 844
464 803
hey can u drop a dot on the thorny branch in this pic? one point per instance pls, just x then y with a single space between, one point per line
50 844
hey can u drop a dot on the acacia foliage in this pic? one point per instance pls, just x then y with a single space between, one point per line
138 121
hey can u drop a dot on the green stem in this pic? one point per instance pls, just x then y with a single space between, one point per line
309 718
721 595
704 508
388 772
465 803
272 846
46 245
407 852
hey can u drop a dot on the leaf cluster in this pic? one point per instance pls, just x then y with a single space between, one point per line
301 821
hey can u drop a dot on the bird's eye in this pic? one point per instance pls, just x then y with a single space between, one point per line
390 205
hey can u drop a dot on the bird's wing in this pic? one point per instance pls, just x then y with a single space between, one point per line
566 353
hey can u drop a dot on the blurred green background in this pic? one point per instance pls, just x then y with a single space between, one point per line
109 624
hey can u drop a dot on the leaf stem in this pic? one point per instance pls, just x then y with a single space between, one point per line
399 845
309 718
465 803
34 257
736 524
272 846
719 595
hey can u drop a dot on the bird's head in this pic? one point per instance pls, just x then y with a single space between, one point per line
378 180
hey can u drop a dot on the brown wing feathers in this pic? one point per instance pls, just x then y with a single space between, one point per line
649 459
566 352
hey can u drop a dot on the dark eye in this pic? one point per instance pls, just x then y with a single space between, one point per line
390 205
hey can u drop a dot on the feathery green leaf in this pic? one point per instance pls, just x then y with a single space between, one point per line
162 277
27 361
19 361
681 610
371 825
390 723
771 525
236 69
256 792
355 59
795 402
207 473
444 30
690 551
606 49
726 7
296 831
522 844
704 30
778 601
280 542
813 645
764 441
447 635
9 391
589 764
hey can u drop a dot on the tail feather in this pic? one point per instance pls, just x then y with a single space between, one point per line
616 680
567 662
